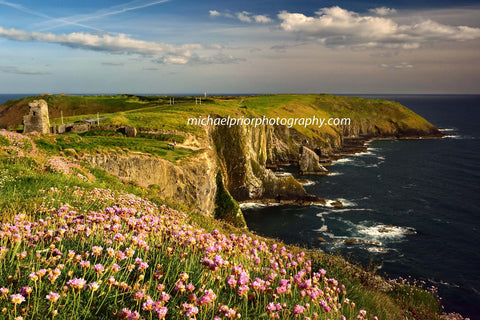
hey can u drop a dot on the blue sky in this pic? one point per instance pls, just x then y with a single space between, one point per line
178 46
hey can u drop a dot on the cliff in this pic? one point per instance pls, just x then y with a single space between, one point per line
191 183
236 160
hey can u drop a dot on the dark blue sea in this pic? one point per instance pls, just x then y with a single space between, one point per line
420 199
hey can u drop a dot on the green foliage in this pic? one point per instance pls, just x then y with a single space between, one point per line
226 208
162 137
4 141
114 143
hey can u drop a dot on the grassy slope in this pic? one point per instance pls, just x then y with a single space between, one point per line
156 113
24 176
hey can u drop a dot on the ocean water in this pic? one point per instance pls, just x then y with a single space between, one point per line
415 201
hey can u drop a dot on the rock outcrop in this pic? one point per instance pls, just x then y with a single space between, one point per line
192 183
309 163
243 152
37 119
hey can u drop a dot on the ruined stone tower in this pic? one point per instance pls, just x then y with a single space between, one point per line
37 118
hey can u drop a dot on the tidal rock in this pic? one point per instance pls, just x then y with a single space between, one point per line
336 204
309 163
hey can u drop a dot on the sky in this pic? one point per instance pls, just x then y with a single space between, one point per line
271 46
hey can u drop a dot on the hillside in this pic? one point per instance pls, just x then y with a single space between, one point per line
85 222
79 243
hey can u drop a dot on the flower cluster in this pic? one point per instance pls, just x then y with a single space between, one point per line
126 257
16 145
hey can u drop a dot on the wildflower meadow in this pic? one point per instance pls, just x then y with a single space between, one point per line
132 259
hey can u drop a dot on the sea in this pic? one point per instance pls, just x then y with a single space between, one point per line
413 204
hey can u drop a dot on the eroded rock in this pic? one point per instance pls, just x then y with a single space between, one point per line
309 162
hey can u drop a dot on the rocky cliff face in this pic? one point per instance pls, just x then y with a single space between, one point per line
241 155
192 182
243 152
309 163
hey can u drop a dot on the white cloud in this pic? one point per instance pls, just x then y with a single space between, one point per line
336 27
214 13
118 44
262 19
244 16
383 11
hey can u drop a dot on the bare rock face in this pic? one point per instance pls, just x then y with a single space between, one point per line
37 119
309 163
191 183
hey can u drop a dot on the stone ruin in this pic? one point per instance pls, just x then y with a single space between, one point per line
37 119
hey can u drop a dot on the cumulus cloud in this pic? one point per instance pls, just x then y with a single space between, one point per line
383 11
16 70
336 27
243 16
214 13
115 44
262 19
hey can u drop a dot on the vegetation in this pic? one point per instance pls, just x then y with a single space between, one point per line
72 249
79 243
91 142
227 208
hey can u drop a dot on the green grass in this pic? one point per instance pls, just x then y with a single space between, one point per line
115 143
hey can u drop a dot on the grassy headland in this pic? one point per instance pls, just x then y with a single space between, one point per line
79 243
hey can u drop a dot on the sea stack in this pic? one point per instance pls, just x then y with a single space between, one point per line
309 163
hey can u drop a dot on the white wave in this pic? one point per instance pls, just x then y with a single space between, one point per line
383 231
283 174
377 250
364 153
251 205
347 203
444 283
332 174
307 183
453 136
320 214
322 229
447 129
256 205
352 209
342 161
